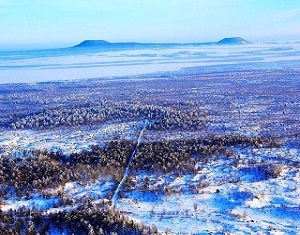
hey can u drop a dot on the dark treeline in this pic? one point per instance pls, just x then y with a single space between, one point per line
49 169
181 155
163 116
43 170
86 219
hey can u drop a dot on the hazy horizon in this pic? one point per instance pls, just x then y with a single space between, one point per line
62 45
51 24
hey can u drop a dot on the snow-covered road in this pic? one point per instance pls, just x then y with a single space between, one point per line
127 169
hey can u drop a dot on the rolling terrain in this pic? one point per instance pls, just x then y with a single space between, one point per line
210 150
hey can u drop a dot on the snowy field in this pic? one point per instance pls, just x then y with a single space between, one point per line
159 59
220 154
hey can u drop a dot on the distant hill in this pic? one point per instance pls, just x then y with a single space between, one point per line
103 43
233 41
92 43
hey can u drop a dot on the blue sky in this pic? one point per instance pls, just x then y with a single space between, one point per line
65 22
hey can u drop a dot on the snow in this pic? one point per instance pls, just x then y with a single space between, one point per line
127 169
65 140
56 65
258 202
227 195
228 202
37 201
97 190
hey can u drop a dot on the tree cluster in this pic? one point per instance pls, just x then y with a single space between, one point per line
86 219
42 169
49 169
188 116
35 172
181 155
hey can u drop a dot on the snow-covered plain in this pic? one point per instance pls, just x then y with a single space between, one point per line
75 63
256 190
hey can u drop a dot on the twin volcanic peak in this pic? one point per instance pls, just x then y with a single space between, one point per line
103 43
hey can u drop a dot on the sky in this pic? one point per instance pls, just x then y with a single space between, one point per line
68 22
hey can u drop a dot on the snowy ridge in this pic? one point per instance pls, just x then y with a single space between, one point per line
126 172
